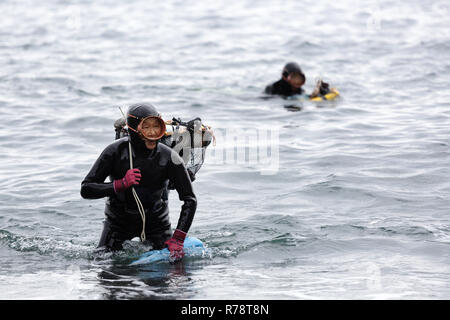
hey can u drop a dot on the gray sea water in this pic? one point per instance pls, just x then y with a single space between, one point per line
355 204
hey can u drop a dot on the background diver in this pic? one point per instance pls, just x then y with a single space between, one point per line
292 81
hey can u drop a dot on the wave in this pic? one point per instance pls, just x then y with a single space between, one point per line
349 231
67 249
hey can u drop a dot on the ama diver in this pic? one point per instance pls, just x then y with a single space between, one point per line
142 165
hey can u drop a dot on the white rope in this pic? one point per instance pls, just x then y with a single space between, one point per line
138 201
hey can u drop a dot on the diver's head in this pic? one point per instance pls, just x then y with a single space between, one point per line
145 125
292 73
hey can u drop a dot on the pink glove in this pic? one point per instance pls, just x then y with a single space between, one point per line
175 245
132 177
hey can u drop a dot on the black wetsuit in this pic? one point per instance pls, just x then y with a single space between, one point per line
282 88
123 220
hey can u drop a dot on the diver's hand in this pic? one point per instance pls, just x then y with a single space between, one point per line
132 177
316 90
175 245
322 88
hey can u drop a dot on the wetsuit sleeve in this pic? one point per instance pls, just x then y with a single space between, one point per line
94 186
180 178
269 89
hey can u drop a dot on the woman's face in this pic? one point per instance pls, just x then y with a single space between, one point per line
151 128
295 80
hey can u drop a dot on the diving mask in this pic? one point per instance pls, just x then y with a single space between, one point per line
150 128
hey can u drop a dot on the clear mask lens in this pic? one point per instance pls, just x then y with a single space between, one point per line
152 128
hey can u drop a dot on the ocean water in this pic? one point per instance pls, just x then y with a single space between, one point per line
348 200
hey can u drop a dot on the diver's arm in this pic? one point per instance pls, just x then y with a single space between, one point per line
180 178
94 186
269 89
276 88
